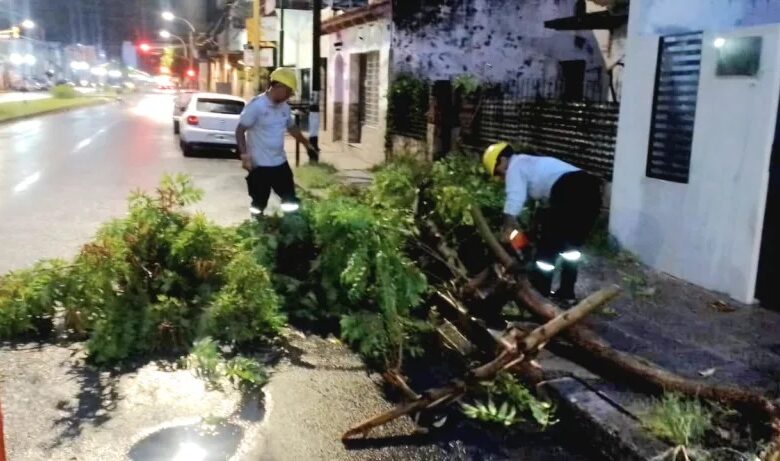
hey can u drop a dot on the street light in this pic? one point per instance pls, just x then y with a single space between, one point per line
164 34
170 17
28 24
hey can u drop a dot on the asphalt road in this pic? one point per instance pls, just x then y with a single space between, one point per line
63 175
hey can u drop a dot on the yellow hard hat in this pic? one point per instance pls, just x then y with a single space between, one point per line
490 157
286 77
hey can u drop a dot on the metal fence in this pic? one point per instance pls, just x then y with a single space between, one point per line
581 133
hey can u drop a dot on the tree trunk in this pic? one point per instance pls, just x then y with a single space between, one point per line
633 368
523 347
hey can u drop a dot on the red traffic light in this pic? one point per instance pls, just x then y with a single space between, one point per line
144 47
191 73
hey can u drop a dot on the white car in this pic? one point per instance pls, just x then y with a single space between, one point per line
179 106
209 121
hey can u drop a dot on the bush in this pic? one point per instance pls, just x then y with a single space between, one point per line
363 268
247 308
63 92
151 282
675 419
28 299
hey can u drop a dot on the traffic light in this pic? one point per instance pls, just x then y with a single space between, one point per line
144 47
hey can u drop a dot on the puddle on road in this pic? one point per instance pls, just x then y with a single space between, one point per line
208 440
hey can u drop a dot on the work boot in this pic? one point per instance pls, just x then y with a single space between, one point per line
569 270
541 278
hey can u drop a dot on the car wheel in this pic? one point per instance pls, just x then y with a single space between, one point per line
175 127
186 149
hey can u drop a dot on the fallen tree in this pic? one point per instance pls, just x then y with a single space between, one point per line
637 370
523 348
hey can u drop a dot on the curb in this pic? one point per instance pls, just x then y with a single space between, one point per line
601 426
59 111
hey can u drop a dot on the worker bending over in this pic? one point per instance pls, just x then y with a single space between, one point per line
573 199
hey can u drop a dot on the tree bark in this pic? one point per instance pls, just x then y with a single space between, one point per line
633 368
524 344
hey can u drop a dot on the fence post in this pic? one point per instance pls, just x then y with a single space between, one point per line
440 119
2 436
297 115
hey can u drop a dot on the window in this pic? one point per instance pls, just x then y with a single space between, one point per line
220 106
674 107
738 57
371 89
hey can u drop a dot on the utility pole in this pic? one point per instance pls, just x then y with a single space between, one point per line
314 108
257 16
281 33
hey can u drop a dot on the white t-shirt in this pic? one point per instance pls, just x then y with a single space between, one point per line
531 176
266 125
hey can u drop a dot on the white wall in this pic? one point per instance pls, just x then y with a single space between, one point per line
709 230
494 40
298 50
373 36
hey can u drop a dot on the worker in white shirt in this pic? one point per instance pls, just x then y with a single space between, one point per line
573 199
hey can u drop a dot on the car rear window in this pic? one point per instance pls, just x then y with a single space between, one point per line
220 106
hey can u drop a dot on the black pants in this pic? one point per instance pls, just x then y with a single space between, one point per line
575 203
262 179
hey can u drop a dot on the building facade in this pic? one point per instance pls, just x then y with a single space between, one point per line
498 42
695 190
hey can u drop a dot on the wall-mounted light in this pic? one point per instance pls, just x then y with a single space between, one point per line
719 42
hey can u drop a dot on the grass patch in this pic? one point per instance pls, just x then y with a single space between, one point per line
677 420
18 109
316 176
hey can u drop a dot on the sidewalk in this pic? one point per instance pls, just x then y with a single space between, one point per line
680 327
352 167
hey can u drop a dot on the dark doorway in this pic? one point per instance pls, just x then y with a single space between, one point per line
573 80
305 85
767 289
324 92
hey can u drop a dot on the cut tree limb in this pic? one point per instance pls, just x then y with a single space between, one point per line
627 365
525 346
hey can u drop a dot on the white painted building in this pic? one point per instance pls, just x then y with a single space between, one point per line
497 41
356 46
694 193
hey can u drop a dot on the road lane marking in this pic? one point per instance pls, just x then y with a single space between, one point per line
87 141
27 182
84 143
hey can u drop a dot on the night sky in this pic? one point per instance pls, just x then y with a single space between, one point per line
102 22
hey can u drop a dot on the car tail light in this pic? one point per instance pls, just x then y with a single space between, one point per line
192 120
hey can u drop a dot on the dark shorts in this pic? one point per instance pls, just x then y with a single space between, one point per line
262 179
575 203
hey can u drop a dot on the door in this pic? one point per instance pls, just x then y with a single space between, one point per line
573 80
767 287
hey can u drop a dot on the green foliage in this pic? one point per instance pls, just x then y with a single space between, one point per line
517 404
27 299
407 101
459 183
505 415
678 420
151 282
207 362
316 176
466 83
363 267
246 309
63 92
396 184
245 374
